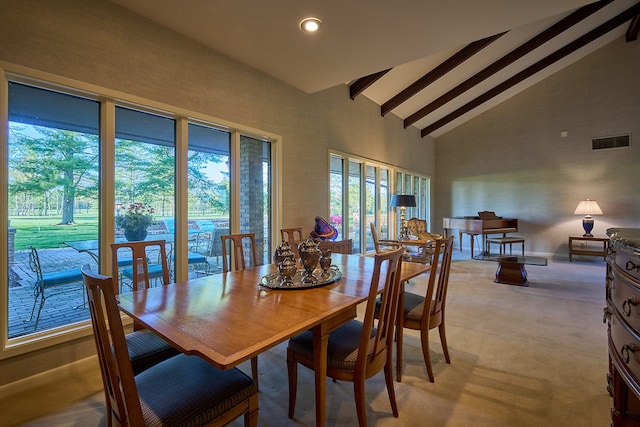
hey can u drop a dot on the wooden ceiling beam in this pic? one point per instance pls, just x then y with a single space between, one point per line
632 31
433 75
525 48
537 67
357 87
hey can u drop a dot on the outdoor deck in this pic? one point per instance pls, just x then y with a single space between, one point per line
67 306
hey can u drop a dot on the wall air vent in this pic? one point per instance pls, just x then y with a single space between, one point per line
618 141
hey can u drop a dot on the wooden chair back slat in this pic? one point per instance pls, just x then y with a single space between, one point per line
233 251
140 253
121 393
337 247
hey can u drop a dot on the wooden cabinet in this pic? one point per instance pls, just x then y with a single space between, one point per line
622 315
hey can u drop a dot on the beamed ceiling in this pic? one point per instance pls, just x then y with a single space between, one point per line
434 64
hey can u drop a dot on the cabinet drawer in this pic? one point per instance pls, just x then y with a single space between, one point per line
625 297
626 349
628 261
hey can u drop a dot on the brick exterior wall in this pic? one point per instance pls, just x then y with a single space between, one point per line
251 198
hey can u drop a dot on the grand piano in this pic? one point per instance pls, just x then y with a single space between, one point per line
484 224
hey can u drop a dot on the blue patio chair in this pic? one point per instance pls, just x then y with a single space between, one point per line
170 225
49 284
197 260
206 225
209 245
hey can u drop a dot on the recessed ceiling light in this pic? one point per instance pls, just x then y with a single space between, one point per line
310 25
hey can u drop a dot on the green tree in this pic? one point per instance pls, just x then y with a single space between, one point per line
209 194
43 160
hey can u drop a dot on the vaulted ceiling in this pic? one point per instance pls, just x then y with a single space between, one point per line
435 64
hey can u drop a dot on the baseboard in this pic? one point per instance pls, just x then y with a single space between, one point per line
85 367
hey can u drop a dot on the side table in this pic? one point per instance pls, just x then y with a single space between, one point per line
593 251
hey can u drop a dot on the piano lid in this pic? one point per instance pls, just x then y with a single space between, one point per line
488 215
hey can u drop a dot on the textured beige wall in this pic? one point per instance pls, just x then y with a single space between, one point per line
513 160
99 43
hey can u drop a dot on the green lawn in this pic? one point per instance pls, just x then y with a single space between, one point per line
43 231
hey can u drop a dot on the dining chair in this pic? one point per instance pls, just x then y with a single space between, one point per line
181 390
45 282
382 245
141 271
293 236
357 350
233 251
337 246
145 348
426 312
234 244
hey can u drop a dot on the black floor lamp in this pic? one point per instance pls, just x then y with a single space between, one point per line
403 201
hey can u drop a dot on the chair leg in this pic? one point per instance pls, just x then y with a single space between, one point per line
399 339
443 340
388 378
424 335
399 335
39 311
35 301
292 374
361 409
251 416
254 370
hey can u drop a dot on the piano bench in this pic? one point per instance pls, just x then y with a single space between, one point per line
503 242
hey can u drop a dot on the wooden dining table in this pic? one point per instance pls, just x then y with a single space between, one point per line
230 318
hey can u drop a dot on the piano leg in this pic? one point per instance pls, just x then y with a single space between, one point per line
472 239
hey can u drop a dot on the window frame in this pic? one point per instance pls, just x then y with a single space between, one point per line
108 100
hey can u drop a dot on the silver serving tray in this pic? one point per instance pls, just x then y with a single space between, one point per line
273 280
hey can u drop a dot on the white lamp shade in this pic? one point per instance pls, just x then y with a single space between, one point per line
588 207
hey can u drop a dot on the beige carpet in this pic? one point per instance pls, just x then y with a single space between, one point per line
533 356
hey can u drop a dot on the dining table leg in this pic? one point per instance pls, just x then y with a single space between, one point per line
320 344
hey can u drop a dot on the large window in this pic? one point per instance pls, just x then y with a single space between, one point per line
367 196
52 198
411 183
78 161
209 193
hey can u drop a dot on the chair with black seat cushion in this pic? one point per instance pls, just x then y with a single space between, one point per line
234 247
426 312
182 390
145 348
357 350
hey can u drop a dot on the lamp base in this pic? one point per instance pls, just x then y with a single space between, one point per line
587 224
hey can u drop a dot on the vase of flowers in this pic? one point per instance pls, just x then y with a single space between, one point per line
135 221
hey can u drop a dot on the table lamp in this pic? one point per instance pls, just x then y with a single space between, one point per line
403 201
588 208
